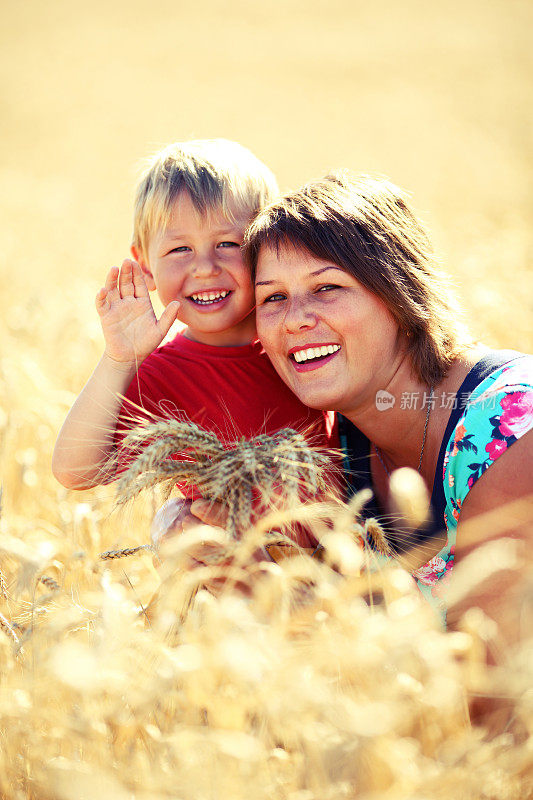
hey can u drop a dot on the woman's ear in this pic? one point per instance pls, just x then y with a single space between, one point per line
141 261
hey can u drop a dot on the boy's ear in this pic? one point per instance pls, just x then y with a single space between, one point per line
139 258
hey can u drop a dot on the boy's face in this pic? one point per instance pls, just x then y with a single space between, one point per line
197 260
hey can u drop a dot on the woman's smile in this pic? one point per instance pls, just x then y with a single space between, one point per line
312 356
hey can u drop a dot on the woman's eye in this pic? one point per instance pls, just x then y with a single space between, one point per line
273 298
327 287
228 244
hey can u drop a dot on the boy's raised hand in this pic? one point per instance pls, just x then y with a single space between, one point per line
130 326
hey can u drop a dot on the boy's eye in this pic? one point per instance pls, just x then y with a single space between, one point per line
228 244
182 248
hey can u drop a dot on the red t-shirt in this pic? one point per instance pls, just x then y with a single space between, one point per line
233 391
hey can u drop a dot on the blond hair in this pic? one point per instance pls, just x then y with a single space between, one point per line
216 174
366 226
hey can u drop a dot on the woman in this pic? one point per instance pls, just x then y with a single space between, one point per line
355 317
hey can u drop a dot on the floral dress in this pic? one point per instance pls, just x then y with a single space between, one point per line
497 413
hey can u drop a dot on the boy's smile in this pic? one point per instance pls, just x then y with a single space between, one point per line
208 298
197 260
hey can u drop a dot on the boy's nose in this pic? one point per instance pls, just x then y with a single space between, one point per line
204 266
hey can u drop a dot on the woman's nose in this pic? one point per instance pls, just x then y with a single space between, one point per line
299 316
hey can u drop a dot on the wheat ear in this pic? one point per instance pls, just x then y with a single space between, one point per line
50 583
377 536
172 451
108 555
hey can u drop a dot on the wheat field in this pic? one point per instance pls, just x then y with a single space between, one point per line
303 691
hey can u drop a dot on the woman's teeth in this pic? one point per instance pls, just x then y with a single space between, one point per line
209 297
315 352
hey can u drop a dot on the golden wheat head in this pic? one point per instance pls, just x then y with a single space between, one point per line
169 452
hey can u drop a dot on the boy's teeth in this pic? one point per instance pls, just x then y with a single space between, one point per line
315 352
209 297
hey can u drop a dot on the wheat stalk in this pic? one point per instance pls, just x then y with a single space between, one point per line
283 464
108 555
3 585
6 627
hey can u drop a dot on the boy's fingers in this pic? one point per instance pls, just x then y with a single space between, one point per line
125 282
101 300
111 280
168 317
210 512
139 284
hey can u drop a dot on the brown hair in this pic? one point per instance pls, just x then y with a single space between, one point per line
216 173
365 226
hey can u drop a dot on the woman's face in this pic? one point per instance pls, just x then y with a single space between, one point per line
331 340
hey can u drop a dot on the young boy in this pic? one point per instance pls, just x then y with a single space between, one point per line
192 207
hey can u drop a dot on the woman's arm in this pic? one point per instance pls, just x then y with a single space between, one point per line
498 509
505 490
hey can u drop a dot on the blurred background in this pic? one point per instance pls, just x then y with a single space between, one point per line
435 95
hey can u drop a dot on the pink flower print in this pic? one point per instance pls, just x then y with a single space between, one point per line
429 573
438 563
445 580
495 448
442 581
517 417
451 480
518 377
439 587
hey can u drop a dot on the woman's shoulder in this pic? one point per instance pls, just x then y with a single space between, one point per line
496 413
500 403
517 370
